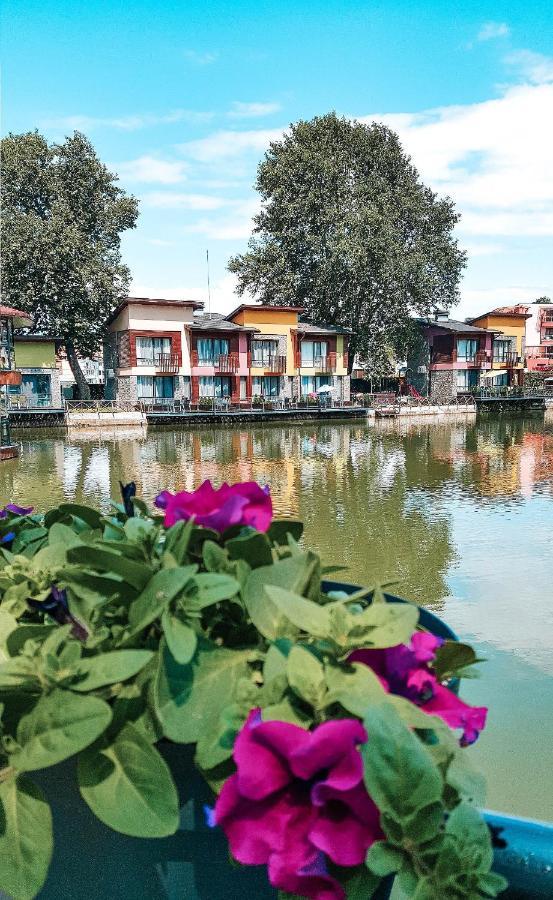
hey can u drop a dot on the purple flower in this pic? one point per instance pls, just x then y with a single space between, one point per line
219 509
296 798
406 670
128 491
16 510
57 607
8 537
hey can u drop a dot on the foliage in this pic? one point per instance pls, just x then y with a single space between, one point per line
349 231
116 632
62 218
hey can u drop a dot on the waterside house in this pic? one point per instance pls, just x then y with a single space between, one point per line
10 318
455 357
36 359
220 353
539 337
509 344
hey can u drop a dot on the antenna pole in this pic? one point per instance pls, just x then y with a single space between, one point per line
208 284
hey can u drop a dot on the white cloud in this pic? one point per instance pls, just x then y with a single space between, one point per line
174 200
240 110
534 67
491 30
228 144
131 122
148 168
235 226
199 58
223 296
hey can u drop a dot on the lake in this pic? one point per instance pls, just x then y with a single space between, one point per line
459 515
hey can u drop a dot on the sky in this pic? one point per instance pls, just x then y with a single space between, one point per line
182 99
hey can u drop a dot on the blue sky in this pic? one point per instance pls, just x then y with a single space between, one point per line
182 99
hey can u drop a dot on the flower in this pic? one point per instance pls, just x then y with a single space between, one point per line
128 491
219 509
406 670
16 510
296 798
57 607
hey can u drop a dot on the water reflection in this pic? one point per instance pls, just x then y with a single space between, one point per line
458 513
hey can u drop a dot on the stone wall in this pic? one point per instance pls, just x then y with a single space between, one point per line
125 389
443 386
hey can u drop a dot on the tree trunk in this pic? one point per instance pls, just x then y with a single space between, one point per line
83 389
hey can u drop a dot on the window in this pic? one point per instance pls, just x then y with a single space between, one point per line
467 349
501 348
155 387
310 384
312 352
210 349
499 380
266 386
214 386
263 352
467 378
36 388
548 336
149 350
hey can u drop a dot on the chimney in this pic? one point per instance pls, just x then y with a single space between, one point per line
441 315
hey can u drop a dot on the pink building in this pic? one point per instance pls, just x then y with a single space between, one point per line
456 357
539 337
220 357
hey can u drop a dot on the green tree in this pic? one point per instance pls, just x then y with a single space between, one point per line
348 230
62 219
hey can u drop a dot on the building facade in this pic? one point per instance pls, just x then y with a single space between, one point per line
146 350
539 337
509 343
36 359
454 359
220 354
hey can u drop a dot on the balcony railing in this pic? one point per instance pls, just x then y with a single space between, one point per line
324 363
163 362
509 358
270 364
228 363
478 358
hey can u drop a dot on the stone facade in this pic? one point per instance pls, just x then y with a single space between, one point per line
443 386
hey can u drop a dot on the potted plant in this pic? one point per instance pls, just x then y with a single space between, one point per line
176 679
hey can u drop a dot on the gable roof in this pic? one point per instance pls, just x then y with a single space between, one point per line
515 312
455 326
311 328
20 319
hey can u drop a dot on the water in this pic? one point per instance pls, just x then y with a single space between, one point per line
459 514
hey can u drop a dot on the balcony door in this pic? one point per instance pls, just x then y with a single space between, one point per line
149 350
210 349
312 352
264 352
467 348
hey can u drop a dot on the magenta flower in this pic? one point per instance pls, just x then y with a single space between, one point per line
219 509
406 670
15 510
298 797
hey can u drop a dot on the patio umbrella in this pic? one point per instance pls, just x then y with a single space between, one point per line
325 389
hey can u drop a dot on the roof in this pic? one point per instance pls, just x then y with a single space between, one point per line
217 322
151 301
456 326
21 319
515 312
298 309
310 328
36 339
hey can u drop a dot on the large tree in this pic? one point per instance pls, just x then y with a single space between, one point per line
348 230
62 218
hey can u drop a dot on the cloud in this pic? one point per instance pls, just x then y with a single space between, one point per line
492 30
199 58
148 168
534 67
131 122
240 110
227 144
223 296
173 200
236 226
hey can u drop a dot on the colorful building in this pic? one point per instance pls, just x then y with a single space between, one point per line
454 358
509 343
220 352
539 337
36 359
146 350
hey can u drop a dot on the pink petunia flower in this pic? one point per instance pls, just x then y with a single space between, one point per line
298 797
219 508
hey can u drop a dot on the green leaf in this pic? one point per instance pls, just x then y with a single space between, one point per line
214 556
384 858
181 639
275 664
304 614
384 625
26 841
284 711
212 588
425 823
23 633
91 516
492 884
253 546
279 530
400 775
452 657
354 686
163 587
177 540
361 884
128 786
306 676
60 725
467 780
472 837
189 698
109 668
131 570
293 573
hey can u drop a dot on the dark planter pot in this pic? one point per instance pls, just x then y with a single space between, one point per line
92 862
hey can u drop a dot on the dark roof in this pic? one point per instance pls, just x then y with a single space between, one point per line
36 339
151 301
456 327
217 322
310 328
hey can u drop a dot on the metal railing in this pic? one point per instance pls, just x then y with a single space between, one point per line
98 407
270 364
163 362
507 358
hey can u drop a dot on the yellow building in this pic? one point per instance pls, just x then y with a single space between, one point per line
36 359
508 344
291 359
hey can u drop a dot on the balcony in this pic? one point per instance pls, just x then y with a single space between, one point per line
508 359
480 358
271 365
163 362
324 364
